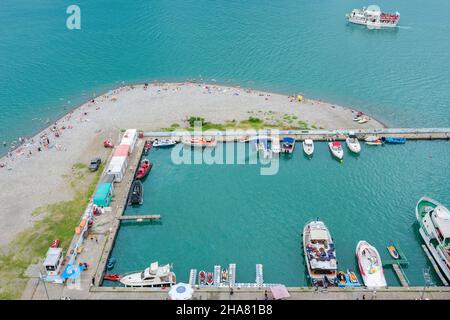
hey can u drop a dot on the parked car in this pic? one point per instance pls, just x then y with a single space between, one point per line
95 164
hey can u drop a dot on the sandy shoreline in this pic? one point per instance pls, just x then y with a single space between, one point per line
36 178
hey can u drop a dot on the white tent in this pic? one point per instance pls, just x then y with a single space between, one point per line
181 291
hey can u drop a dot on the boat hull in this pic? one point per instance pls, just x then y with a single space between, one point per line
427 238
374 277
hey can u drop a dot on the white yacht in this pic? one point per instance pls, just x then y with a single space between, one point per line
164 143
373 17
275 146
353 143
434 221
370 265
308 147
320 254
154 276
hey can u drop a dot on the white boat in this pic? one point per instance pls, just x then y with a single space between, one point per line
154 276
199 141
434 221
373 141
370 265
363 120
373 17
353 143
287 145
336 149
164 143
320 254
308 147
275 146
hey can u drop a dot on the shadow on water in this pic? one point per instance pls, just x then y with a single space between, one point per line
143 223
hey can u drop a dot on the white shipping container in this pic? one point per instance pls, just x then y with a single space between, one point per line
129 138
117 167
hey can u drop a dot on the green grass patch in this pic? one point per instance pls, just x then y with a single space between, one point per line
32 244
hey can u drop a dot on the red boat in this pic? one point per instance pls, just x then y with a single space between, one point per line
144 169
202 277
108 144
112 277
209 279
55 243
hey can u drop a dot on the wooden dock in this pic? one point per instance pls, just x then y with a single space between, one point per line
401 275
141 217
436 268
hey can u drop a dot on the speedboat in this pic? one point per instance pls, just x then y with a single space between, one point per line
202 278
287 145
373 141
209 279
353 143
308 147
144 169
147 147
320 254
112 277
370 265
199 142
275 146
336 149
164 143
347 279
358 116
363 120
137 193
224 275
154 276
393 140
373 18
393 252
434 222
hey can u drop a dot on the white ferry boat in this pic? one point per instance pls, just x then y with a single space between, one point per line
320 254
434 221
373 17
154 276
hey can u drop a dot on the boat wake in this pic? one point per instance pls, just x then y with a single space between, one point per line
404 27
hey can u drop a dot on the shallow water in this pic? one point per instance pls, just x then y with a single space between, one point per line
221 214
399 76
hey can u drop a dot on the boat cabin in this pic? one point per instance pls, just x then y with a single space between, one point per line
53 261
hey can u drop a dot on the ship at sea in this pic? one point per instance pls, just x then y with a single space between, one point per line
373 17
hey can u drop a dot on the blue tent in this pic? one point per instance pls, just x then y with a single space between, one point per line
72 272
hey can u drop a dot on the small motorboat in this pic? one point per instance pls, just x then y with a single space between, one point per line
112 277
308 147
373 141
153 276
370 265
108 144
164 143
111 263
393 140
353 143
336 149
352 277
275 146
147 147
202 278
393 252
287 145
209 279
363 120
358 116
137 193
224 275
144 169
199 142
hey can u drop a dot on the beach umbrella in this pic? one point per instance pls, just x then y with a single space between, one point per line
279 292
181 291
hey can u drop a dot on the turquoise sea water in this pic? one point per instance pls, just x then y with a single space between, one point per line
221 214
400 76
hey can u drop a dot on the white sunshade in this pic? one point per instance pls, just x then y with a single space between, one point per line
181 291
319 234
